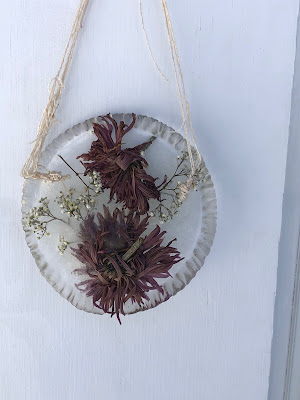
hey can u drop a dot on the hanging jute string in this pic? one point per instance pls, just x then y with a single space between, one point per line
55 92
184 106
30 168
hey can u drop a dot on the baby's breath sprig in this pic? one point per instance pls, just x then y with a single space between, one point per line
184 171
171 198
166 210
33 218
68 205
63 245
95 180
73 207
87 200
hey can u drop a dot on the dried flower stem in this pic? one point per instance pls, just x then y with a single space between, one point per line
76 173
174 175
133 249
150 142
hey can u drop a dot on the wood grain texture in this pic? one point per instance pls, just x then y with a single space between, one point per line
211 341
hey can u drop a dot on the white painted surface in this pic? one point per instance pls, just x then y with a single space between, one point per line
285 360
212 341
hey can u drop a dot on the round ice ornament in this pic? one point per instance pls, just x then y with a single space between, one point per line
120 233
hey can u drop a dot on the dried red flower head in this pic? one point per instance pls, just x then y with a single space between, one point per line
122 266
122 170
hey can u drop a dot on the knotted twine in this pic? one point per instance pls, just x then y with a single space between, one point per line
55 92
58 83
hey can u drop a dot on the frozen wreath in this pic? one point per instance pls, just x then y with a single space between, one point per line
120 261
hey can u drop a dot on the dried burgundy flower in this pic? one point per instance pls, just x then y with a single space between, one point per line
122 170
120 264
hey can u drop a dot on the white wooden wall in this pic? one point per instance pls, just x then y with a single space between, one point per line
212 341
